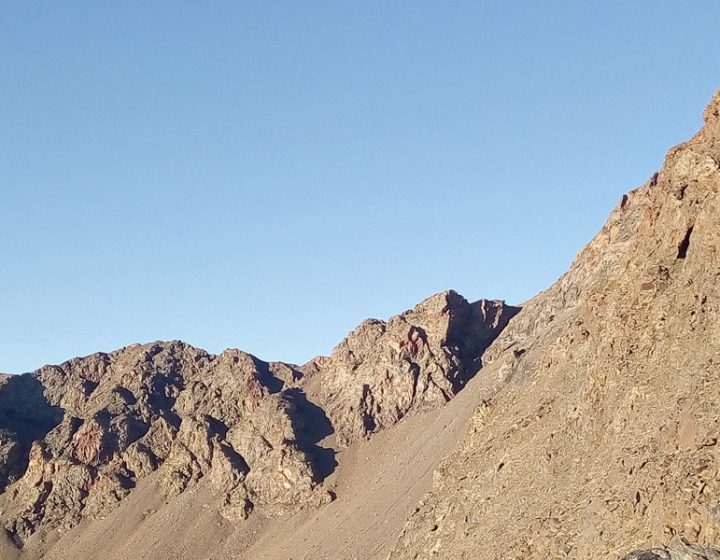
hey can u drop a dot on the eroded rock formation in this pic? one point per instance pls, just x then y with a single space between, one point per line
416 361
77 438
99 424
678 550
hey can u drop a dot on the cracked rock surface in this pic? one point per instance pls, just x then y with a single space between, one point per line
83 433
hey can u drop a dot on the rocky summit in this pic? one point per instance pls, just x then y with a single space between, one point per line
583 424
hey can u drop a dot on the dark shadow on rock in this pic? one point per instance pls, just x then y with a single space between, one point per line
473 328
125 394
311 426
368 421
25 416
266 378
234 458
163 390
162 393
218 427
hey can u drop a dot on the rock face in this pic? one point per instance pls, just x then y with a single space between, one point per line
77 438
604 437
416 361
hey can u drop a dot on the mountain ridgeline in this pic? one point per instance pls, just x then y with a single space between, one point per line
583 425
77 438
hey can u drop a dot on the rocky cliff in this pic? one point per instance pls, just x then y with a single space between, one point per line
416 361
80 435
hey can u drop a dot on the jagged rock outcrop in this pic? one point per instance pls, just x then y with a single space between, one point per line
604 437
25 416
79 436
415 361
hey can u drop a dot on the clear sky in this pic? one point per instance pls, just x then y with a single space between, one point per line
265 175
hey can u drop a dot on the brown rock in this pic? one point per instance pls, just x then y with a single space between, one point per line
416 361
606 424
84 433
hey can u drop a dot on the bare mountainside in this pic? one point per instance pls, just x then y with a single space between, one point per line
80 437
583 426
605 436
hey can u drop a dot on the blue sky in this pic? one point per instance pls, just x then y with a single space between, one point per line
265 175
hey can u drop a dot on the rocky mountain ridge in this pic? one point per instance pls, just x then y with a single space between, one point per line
589 418
77 438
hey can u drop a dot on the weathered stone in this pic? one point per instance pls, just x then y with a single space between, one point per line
678 550
104 422
604 416
384 371
92 428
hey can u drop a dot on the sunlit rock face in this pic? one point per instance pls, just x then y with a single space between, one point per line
77 438
604 438
415 361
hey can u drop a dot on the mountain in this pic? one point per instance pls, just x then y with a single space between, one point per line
582 425
79 438
604 437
